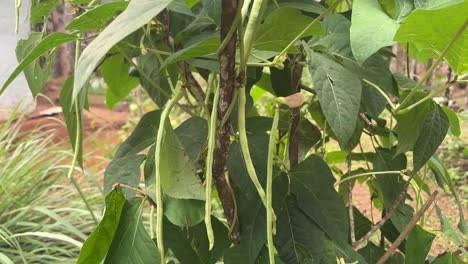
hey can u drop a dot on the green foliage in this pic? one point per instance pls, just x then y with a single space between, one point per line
353 99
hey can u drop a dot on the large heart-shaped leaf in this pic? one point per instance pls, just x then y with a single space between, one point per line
142 136
371 29
137 14
434 29
339 93
190 245
98 243
131 243
300 239
433 132
312 183
417 245
180 179
124 170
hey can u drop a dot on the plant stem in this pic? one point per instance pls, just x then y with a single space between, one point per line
269 187
232 29
433 66
227 84
352 177
408 229
209 169
281 56
427 97
230 108
157 161
381 92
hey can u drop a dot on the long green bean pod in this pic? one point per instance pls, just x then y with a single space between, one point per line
209 169
245 146
157 161
256 14
269 187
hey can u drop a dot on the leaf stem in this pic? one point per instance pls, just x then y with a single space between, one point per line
209 169
280 57
157 161
433 66
352 177
381 92
269 187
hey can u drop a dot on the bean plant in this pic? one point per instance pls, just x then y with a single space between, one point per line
284 107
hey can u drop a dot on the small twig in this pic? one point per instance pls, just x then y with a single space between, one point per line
408 229
138 190
366 120
387 215
308 89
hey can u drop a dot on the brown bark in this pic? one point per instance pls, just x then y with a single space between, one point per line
64 56
227 85
296 74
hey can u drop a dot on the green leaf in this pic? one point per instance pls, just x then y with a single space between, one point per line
418 244
453 121
281 80
301 240
115 72
339 93
304 5
391 185
159 88
402 9
443 177
199 46
433 132
131 243
202 23
142 136
124 170
97 17
213 9
190 245
180 179
409 125
41 9
336 39
435 4
181 7
51 41
312 183
435 29
184 212
450 233
35 74
372 254
193 134
137 14
73 118
275 36
309 135
98 243
252 215
371 29
449 258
